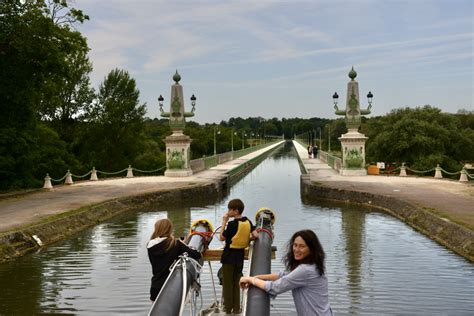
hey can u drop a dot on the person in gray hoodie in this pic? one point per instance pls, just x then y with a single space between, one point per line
163 250
305 276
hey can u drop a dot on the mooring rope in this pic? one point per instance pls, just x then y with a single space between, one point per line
261 229
83 176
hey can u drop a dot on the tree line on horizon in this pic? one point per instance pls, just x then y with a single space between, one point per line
53 120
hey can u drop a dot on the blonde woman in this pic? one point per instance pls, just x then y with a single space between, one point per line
163 250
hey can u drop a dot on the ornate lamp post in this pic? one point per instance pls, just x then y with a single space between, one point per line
353 142
320 146
215 142
329 138
177 144
232 133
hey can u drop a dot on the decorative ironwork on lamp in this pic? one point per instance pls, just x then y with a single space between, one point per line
335 97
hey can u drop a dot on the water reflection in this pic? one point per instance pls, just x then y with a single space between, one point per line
353 223
181 218
12 301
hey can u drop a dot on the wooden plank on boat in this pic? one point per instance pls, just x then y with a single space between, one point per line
216 253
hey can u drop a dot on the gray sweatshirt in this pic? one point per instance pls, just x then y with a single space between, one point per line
309 289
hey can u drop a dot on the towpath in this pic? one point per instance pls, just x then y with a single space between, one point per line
450 199
27 209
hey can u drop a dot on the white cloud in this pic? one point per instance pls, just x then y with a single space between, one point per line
241 45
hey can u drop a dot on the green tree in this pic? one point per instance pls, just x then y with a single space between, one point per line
116 122
420 137
466 119
68 90
334 130
71 94
270 128
33 50
199 144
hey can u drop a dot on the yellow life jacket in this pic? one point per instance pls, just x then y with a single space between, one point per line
241 239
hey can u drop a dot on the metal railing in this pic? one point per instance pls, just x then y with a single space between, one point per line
333 161
205 163
196 166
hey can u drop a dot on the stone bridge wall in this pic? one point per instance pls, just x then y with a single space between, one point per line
449 234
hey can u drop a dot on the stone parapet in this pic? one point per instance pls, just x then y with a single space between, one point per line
19 242
451 235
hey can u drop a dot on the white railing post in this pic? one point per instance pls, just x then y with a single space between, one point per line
403 170
129 172
438 174
463 177
68 178
93 175
47 182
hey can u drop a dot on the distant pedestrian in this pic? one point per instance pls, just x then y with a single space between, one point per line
304 276
315 152
310 151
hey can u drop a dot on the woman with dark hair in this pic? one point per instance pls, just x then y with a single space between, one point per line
163 250
305 276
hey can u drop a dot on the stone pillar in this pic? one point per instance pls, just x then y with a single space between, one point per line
463 177
178 145
403 170
353 142
438 174
353 153
47 182
178 152
94 175
68 178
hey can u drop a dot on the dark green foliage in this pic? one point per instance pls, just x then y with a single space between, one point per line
52 155
420 137
200 140
34 59
29 156
115 124
152 157
334 130
153 154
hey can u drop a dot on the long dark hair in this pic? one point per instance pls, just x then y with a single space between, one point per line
164 228
316 253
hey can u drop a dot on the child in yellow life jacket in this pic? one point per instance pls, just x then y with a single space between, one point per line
237 234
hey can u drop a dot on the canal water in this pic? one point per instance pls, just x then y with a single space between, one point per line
376 265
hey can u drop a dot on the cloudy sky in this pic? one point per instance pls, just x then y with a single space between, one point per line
287 58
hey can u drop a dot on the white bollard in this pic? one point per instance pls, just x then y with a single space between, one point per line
68 178
47 182
438 174
94 175
129 172
463 177
403 170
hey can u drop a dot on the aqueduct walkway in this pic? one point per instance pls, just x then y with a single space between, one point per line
451 200
31 208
